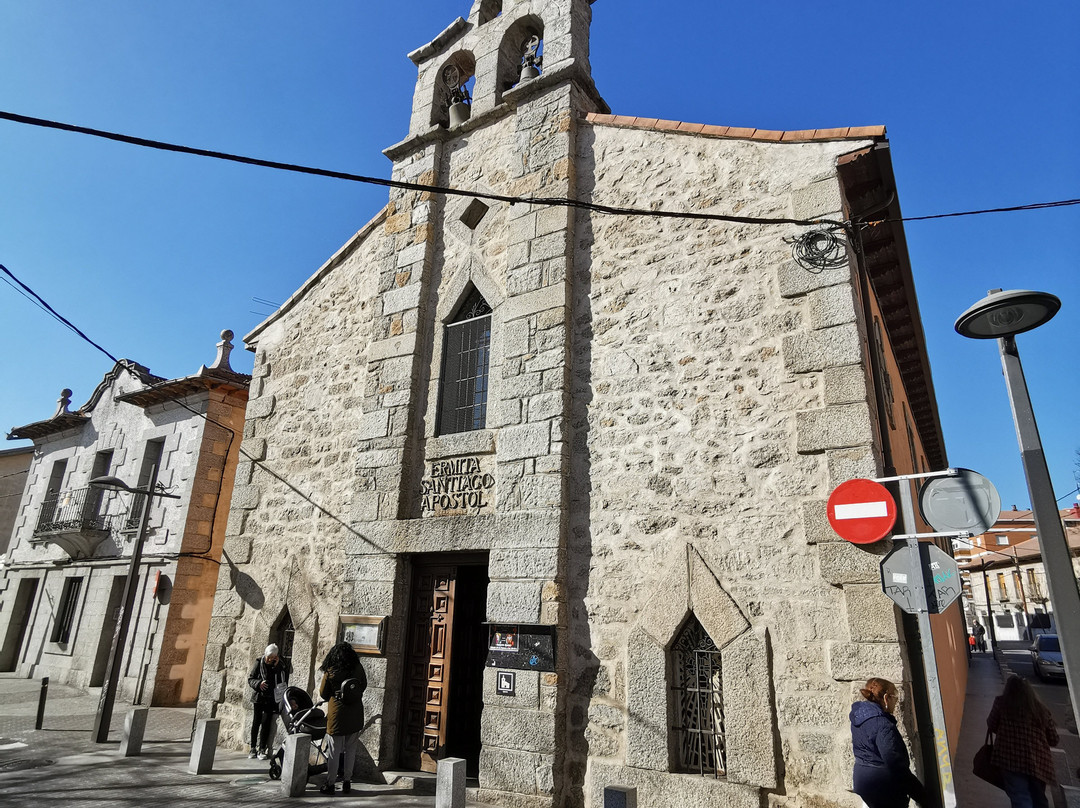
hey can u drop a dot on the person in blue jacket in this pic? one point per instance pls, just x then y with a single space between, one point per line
882 776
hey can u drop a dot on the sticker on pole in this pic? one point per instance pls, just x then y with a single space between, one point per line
861 511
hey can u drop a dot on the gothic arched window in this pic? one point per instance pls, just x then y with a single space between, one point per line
466 356
282 636
698 702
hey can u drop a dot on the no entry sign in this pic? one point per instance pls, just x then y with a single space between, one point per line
861 511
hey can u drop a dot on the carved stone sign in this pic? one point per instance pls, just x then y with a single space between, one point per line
458 487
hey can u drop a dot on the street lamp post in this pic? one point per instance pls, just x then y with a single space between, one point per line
989 610
116 653
1001 316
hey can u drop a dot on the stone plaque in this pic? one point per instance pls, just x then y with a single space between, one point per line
458 487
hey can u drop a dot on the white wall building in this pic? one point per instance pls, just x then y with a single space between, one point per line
62 583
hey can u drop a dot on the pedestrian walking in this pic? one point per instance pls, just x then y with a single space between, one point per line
882 775
1023 731
267 679
971 642
980 635
343 685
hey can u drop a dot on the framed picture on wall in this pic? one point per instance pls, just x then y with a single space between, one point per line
363 632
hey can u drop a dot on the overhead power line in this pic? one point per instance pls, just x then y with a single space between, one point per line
512 200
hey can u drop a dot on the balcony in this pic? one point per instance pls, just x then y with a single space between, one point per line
74 521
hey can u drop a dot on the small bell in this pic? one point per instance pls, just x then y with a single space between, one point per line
459 113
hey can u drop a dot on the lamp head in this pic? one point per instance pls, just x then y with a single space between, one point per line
1004 314
109 484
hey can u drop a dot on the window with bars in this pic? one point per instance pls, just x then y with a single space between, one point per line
282 635
65 614
466 356
698 724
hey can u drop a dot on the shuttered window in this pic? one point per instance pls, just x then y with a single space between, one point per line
466 356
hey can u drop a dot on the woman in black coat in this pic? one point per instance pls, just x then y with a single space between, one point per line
266 675
882 775
343 685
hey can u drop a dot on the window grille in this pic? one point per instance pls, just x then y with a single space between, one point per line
283 637
466 356
699 702
65 614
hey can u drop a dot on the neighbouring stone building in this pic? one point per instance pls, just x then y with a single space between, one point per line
62 585
562 474
14 465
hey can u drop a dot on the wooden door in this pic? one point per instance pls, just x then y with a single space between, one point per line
427 666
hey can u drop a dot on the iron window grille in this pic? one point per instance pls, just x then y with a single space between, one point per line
699 703
466 357
65 614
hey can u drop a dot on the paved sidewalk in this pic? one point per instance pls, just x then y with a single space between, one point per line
984 684
60 765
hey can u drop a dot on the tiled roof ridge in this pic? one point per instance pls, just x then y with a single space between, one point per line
736 132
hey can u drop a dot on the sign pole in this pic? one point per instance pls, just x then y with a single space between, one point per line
933 685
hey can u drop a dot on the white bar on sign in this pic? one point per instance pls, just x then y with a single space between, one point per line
861 510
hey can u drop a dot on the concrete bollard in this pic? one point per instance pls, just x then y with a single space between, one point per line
450 783
620 797
204 746
294 768
134 730
1072 796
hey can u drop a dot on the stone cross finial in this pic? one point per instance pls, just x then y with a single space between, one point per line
62 403
224 348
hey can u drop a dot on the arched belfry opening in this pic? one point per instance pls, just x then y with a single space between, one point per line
520 54
489 10
452 102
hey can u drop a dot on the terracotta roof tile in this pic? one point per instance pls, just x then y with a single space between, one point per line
799 136
830 134
740 131
866 131
743 133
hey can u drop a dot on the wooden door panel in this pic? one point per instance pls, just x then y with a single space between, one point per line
428 664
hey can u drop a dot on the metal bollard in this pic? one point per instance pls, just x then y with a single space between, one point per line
41 702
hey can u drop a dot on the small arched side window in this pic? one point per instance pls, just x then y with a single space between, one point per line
466 358
282 635
698 738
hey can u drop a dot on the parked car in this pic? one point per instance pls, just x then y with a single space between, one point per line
1046 656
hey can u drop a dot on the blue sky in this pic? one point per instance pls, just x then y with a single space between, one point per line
152 254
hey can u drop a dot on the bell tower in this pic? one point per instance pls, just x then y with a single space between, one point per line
496 109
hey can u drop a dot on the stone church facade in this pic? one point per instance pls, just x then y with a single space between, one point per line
561 474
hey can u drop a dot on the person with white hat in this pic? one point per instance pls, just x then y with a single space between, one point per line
269 673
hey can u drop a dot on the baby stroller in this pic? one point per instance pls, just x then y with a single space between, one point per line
299 715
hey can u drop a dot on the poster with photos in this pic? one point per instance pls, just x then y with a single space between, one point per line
363 632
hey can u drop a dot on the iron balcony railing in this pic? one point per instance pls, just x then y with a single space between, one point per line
73 511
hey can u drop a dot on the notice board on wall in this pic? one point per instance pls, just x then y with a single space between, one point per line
521 647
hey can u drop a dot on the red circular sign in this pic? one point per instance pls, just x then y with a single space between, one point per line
861 511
